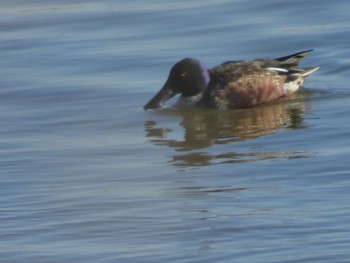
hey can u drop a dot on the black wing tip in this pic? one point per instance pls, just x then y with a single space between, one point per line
294 58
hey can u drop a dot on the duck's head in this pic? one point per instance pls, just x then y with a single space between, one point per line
187 77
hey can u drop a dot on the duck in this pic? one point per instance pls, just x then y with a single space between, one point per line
232 84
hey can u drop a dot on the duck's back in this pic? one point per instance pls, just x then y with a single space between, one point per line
240 84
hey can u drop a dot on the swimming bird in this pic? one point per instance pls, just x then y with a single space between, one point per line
233 84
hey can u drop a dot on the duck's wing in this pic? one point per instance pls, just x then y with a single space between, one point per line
294 59
242 84
288 66
282 63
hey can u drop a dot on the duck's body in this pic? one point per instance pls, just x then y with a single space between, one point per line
233 84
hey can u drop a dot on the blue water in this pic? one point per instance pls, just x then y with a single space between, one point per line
88 176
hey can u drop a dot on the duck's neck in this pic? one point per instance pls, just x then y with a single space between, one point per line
205 74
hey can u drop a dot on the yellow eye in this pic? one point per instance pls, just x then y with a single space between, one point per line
184 74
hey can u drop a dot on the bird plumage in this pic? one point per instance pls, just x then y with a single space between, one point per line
233 84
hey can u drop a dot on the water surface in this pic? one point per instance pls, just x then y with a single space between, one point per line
88 176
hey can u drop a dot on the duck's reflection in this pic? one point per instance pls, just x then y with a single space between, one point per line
205 128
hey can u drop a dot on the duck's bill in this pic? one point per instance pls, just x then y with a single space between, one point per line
160 98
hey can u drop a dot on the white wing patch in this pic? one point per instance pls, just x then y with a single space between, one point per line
282 70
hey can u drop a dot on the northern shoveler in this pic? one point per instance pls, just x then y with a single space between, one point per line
233 84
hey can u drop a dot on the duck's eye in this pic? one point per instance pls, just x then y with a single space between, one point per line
184 74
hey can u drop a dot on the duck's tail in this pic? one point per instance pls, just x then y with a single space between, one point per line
288 66
307 71
296 77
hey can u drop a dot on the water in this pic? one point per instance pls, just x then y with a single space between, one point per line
88 176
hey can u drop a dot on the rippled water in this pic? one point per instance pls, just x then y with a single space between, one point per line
88 176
